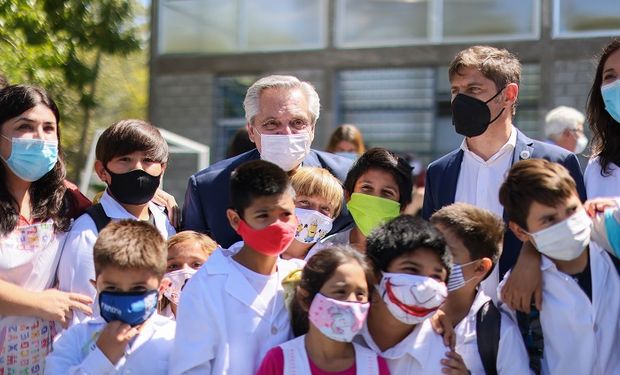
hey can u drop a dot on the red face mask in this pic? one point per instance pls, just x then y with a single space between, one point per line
271 240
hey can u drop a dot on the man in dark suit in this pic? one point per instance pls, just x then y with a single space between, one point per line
485 85
281 114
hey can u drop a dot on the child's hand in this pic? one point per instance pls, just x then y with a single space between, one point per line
442 324
114 339
594 206
524 281
454 364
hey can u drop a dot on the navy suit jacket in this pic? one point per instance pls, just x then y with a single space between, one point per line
208 194
443 174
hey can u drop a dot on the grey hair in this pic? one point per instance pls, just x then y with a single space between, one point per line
252 97
561 118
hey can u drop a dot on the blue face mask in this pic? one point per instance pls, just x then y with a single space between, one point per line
348 155
612 227
130 308
611 97
31 159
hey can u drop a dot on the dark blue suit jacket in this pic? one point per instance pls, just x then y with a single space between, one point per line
443 174
208 194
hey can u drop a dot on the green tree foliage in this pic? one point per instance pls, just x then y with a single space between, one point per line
63 45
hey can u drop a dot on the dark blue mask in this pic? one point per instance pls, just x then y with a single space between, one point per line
132 308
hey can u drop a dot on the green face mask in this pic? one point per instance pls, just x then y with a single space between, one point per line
369 211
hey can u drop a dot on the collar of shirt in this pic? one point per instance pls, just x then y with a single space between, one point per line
115 210
507 147
466 328
417 344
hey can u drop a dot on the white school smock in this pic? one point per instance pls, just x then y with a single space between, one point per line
222 325
76 352
296 358
580 337
77 266
597 185
512 358
28 258
420 352
337 239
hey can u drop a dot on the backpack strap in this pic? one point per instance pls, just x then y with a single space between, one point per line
488 325
97 213
531 330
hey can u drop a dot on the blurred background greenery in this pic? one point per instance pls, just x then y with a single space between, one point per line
91 55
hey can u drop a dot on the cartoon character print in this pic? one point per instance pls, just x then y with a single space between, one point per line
311 234
342 320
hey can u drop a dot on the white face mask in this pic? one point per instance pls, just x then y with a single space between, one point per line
582 142
312 225
565 240
285 151
177 279
411 298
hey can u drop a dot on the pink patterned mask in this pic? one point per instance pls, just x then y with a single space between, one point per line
338 320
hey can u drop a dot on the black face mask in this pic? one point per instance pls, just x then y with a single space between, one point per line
470 116
135 187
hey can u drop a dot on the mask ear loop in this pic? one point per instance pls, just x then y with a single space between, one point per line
500 112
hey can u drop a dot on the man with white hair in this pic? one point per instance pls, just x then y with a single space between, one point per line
564 127
281 114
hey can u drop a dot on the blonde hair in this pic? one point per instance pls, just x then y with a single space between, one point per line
314 181
130 244
347 133
207 245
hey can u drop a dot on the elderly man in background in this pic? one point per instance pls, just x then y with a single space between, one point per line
281 114
564 127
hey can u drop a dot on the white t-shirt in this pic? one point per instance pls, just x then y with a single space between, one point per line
598 185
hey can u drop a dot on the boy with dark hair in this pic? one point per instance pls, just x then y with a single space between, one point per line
580 285
232 311
412 263
131 158
129 336
489 341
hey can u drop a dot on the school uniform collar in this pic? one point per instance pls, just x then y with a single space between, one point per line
416 344
147 331
114 210
469 321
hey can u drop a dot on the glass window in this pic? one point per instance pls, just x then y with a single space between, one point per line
467 19
214 26
592 17
381 22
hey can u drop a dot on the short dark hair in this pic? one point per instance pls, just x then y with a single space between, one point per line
130 244
127 136
403 235
316 272
382 159
534 180
481 231
254 179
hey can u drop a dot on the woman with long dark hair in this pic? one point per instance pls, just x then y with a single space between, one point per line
602 176
35 212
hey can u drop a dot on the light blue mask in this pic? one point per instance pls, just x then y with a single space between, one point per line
611 97
31 159
612 227
348 155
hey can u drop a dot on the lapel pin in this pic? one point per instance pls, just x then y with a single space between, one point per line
524 155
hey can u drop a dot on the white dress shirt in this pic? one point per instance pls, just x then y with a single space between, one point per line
224 326
512 356
76 353
478 184
77 266
598 185
581 337
420 352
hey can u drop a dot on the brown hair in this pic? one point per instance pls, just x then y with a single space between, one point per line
318 182
130 244
127 136
534 180
318 270
605 130
347 133
207 245
498 65
481 231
